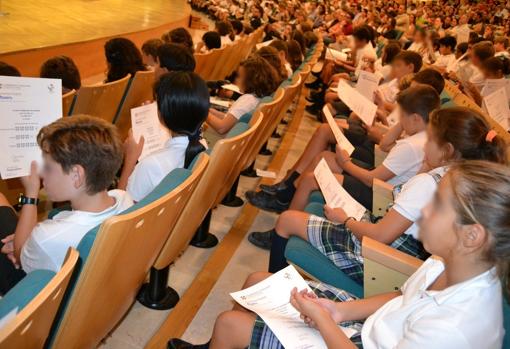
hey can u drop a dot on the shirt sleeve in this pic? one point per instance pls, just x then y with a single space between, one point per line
414 196
140 182
33 256
433 333
400 158
244 104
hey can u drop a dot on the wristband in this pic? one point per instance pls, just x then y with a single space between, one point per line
348 219
23 200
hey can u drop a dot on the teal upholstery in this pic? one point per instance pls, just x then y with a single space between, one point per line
506 322
315 208
247 117
317 197
24 291
238 128
446 100
169 183
300 253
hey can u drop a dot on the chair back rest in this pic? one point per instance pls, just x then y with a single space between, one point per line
30 327
224 155
117 259
208 62
101 100
67 102
138 92
222 65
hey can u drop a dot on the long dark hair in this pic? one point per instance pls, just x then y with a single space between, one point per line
123 57
183 104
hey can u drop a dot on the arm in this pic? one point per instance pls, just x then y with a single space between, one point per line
219 124
366 176
389 139
132 152
28 215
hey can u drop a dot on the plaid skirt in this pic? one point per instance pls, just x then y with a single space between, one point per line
262 336
337 243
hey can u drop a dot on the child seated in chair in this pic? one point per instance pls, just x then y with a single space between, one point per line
183 104
257 79
466 226
81 155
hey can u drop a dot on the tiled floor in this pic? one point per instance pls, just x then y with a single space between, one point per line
141 323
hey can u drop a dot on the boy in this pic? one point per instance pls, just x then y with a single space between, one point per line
500 46
150 52
173 57
81 156
447 53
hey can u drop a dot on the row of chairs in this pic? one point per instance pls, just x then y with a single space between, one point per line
113 101
99 281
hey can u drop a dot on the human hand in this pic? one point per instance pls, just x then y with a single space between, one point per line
32 182
342 156
335 215
312 308
132 149
8 249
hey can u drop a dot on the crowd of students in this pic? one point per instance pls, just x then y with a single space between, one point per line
448 167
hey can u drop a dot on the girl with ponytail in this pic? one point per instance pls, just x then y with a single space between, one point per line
183 106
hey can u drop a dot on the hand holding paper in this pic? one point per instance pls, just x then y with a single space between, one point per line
335 194
145 123
358 103
340 138
496 104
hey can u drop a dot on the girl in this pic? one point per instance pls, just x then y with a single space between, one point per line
383 64
453 134
62 67
183 104
466 225
270 54
295 54
123 58
494 68
257 79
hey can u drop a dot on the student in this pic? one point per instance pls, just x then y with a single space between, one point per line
270 54
362 46
446 53
283 52
173 57
210 41
454 134
257 79
179 36
383 64
494 68
224 29
295 54
238 28
466 225
8 70
183 104
81 156
150 52
123 58
479 53
63 68
501 44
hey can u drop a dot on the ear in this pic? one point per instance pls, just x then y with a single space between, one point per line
474 236
78 175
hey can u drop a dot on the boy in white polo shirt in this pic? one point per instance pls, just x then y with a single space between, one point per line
81 156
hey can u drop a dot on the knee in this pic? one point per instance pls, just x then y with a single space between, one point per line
255 278
284 223
226 322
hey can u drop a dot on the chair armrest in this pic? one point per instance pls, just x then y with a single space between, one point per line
382 197
389 257
379 155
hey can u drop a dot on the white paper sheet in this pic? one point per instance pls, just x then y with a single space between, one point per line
145 122
334 54
265 174
358 103
232 87
270 299
334 193
491 85
367 84
263 44
220 102
496 104
341 140
8 317
26 105
463 35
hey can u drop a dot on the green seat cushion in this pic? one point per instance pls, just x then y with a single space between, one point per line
317 197
24 291
315 208
238 128
300 253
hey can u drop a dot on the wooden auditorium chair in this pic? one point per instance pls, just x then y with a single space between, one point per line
139 90
68 102
115 258
193 223
36 298
101 100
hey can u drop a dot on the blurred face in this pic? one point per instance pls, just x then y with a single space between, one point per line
158 71
444 50
60 186
400 68
406 120
149 60
435 154
438 223
437 22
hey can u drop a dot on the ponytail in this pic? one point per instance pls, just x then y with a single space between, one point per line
195 147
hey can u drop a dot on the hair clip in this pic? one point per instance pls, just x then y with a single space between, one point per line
490 136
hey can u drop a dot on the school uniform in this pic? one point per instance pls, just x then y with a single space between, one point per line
151 170
245 104
445 61
288 68
420 318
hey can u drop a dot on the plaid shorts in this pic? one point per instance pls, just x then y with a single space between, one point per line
337 243
263 337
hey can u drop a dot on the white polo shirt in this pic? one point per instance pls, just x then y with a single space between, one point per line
406 157
389 90
464 316
415 195
47 245
445 61
150 171
247 103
